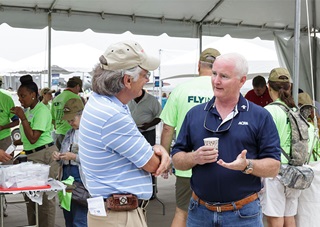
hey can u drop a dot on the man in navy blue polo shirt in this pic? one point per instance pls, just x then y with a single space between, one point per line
225 182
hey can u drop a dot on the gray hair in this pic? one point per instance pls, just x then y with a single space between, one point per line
240 63
107 82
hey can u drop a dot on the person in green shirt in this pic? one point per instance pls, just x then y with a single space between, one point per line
280 203
7 120
37 143
74 86
181 100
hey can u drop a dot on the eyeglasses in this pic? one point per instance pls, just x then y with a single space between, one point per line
218 129
147 75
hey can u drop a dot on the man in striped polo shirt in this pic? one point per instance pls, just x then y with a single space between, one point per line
115 157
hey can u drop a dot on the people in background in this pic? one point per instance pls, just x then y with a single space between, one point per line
115 157
164 99
145 111
7 121
58 92
74 86
248 149
37 143
280 203
259 94
77 216
182 99
46 96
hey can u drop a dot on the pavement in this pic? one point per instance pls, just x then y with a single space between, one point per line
17 212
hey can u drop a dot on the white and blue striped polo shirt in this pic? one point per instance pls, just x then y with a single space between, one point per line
112 150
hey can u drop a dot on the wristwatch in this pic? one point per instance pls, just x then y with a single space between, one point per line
249 168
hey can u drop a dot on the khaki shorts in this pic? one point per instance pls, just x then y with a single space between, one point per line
278 200
5 143
132 218
183 192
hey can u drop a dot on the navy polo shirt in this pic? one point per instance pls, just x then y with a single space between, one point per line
250 127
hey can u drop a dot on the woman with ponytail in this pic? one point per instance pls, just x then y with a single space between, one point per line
37 143
280 203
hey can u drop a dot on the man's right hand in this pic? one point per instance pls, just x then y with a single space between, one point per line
205 154
4 157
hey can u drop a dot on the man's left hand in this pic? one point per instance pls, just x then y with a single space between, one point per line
239 164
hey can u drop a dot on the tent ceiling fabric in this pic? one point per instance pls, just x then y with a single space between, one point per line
179 18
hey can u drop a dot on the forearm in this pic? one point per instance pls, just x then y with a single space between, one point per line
10 125
152 165
184 160
166 137
31 135
267 167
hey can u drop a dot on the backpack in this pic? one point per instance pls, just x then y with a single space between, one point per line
299 135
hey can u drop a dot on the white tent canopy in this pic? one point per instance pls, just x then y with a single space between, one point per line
180 18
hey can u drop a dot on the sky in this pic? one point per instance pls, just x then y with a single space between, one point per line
79 51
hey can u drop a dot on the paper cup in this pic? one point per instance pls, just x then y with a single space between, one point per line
211 141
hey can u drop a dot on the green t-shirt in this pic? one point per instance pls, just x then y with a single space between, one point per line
61 126
49 108
283 126
6 103
316 147
181 100
39 119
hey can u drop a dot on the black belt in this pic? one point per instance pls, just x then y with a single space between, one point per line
39 148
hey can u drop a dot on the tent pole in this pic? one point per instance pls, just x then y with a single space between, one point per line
200 37
314 53
296 52
49 49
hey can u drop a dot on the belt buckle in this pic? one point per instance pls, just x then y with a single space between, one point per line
217 208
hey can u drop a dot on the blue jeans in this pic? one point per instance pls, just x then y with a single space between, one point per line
77 216
249 215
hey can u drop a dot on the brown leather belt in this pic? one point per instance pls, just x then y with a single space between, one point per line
227 207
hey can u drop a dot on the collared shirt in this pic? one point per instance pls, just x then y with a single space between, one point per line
112 150
262 100
145 111
70 144
182 99
250 127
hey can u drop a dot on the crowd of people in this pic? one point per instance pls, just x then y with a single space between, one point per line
108 143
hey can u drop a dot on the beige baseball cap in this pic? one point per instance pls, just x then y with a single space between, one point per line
71 108
304 99
279 75
209 55
128 54
46 90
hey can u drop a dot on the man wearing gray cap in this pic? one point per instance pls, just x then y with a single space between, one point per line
116 160
74 86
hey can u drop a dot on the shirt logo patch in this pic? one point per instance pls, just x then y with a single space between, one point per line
243 123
